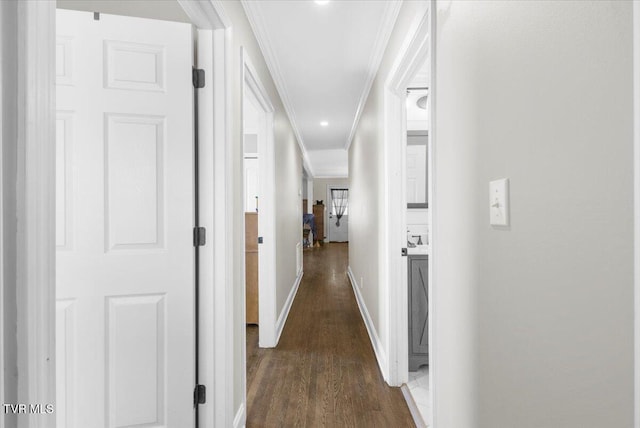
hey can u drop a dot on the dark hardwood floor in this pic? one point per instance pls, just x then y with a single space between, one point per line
323 372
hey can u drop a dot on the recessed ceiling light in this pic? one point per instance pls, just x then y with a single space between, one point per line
324 123
322 1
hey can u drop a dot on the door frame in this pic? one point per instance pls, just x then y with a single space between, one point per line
636 206
414 52
36 35
2 244
252 86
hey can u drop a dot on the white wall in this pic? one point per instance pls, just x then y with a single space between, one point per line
329 163
418 224
366 185
168 10
320 187
551 297
288 170
535 321
9 158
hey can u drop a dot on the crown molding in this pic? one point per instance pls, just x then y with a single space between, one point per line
331 177
388 22
206 14
259 29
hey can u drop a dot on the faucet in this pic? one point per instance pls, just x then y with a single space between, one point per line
409 243
419 239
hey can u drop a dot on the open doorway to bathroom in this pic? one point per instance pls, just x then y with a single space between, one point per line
409 220
417 156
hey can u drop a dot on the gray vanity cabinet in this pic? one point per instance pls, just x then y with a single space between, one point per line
418 312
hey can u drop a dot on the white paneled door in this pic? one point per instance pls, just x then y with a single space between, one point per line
125 197
338 230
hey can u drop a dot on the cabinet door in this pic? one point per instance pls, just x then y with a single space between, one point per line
419 306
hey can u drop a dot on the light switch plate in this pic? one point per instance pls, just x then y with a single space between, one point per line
499 202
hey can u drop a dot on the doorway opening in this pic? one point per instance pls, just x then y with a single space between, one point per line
417 173
259 203
253 126
259 217
410 237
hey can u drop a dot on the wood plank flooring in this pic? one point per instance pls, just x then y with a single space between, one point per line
323 372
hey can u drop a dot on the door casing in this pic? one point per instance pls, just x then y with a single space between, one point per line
636 205
252 87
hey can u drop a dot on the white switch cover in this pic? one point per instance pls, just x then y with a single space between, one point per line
499 202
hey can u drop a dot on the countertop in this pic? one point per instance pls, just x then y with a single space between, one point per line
419 250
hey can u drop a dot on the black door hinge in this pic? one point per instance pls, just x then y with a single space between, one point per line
198 78
260 240
199 236
404 252
200 394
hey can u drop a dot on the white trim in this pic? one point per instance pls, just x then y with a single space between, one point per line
206 15
259 28
36 208
206 157
220 191
2 232
636 204
413 407
330 177
386 28
434 355
216 201
310 200
240 420
267 215
282 319
393 267
215 270
376 343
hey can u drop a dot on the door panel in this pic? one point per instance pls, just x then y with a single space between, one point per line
125 259
251 185
337 233
419 306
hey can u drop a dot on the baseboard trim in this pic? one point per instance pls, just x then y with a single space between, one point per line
413 407
378 349
240 420
282 319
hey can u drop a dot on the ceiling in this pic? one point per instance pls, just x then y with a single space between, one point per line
323 58
168 10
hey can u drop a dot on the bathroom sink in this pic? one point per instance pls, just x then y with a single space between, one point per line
418 250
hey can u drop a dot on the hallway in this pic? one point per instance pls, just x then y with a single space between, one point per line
323 372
